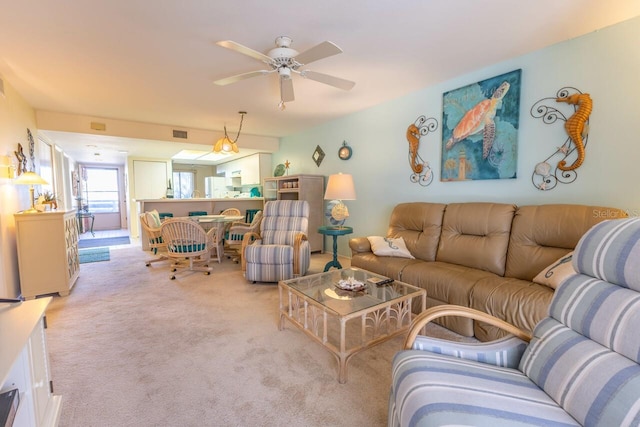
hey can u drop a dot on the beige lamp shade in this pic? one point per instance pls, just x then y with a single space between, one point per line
340 187
30 179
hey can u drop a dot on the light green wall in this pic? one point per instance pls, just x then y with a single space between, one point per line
605 64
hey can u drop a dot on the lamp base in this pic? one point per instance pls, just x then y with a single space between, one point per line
339 213
32 209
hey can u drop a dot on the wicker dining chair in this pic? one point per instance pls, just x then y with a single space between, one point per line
230 212
225 236
156 243
233 242
216 241
187 244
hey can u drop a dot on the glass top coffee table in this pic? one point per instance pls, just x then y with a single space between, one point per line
347 322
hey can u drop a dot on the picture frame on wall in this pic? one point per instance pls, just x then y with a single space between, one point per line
318 155
480 129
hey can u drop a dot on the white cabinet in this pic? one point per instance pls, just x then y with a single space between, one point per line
47 245
24 362
150 179
249 170
301 187
256 168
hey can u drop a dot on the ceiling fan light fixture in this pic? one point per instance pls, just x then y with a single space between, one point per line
285 72
281 105
284 60
226 144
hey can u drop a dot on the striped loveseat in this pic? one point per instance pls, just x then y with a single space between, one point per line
580 367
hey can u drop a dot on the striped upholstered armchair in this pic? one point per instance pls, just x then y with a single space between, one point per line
580 367
281 250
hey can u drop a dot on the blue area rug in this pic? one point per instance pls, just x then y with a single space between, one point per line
111 241
93 255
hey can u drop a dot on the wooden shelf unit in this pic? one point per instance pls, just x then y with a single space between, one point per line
301 187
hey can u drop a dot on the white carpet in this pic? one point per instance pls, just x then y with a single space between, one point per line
129 347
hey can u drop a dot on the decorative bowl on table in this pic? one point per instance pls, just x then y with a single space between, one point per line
351 284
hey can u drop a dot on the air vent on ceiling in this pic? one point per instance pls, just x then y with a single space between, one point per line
180 134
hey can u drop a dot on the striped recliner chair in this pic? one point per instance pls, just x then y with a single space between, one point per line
281 250
580 367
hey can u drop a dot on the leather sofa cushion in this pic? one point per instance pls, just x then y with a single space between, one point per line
519 302
460 325
476 235
419 224
446 284
391 267
542 234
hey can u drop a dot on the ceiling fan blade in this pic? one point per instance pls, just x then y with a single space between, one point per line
317 52
238 77
229 44
327 79
286 89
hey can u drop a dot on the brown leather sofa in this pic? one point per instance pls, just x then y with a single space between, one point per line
482 255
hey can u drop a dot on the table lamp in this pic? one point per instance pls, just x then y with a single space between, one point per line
30 178
340 187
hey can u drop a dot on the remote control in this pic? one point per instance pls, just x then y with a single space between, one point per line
380 281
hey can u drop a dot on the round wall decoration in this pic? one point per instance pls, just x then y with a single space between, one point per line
345 151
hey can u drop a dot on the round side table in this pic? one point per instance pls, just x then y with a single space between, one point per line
335 232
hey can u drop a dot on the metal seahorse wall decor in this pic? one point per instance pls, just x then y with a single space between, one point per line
554 169
575 126
422 173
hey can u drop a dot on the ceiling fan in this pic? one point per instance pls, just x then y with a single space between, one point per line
287 61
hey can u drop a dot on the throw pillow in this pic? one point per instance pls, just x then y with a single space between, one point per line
555 274
153 219
387 246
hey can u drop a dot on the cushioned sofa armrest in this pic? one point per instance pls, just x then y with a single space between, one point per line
359 245
454 310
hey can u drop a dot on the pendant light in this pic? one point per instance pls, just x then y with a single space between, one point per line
226 144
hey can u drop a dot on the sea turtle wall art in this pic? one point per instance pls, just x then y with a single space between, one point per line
480 129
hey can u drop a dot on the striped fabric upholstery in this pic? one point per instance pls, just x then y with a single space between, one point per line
610 252
187 247
505 352
435 390
585 355
282 220
271 258
581 367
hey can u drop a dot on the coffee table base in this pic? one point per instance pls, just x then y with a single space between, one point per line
376 325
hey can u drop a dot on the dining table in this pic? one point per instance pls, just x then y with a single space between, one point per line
209 222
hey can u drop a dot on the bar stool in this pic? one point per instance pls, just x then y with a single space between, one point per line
164 215
197 213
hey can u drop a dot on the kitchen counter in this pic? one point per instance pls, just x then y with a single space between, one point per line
182 207
201 199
